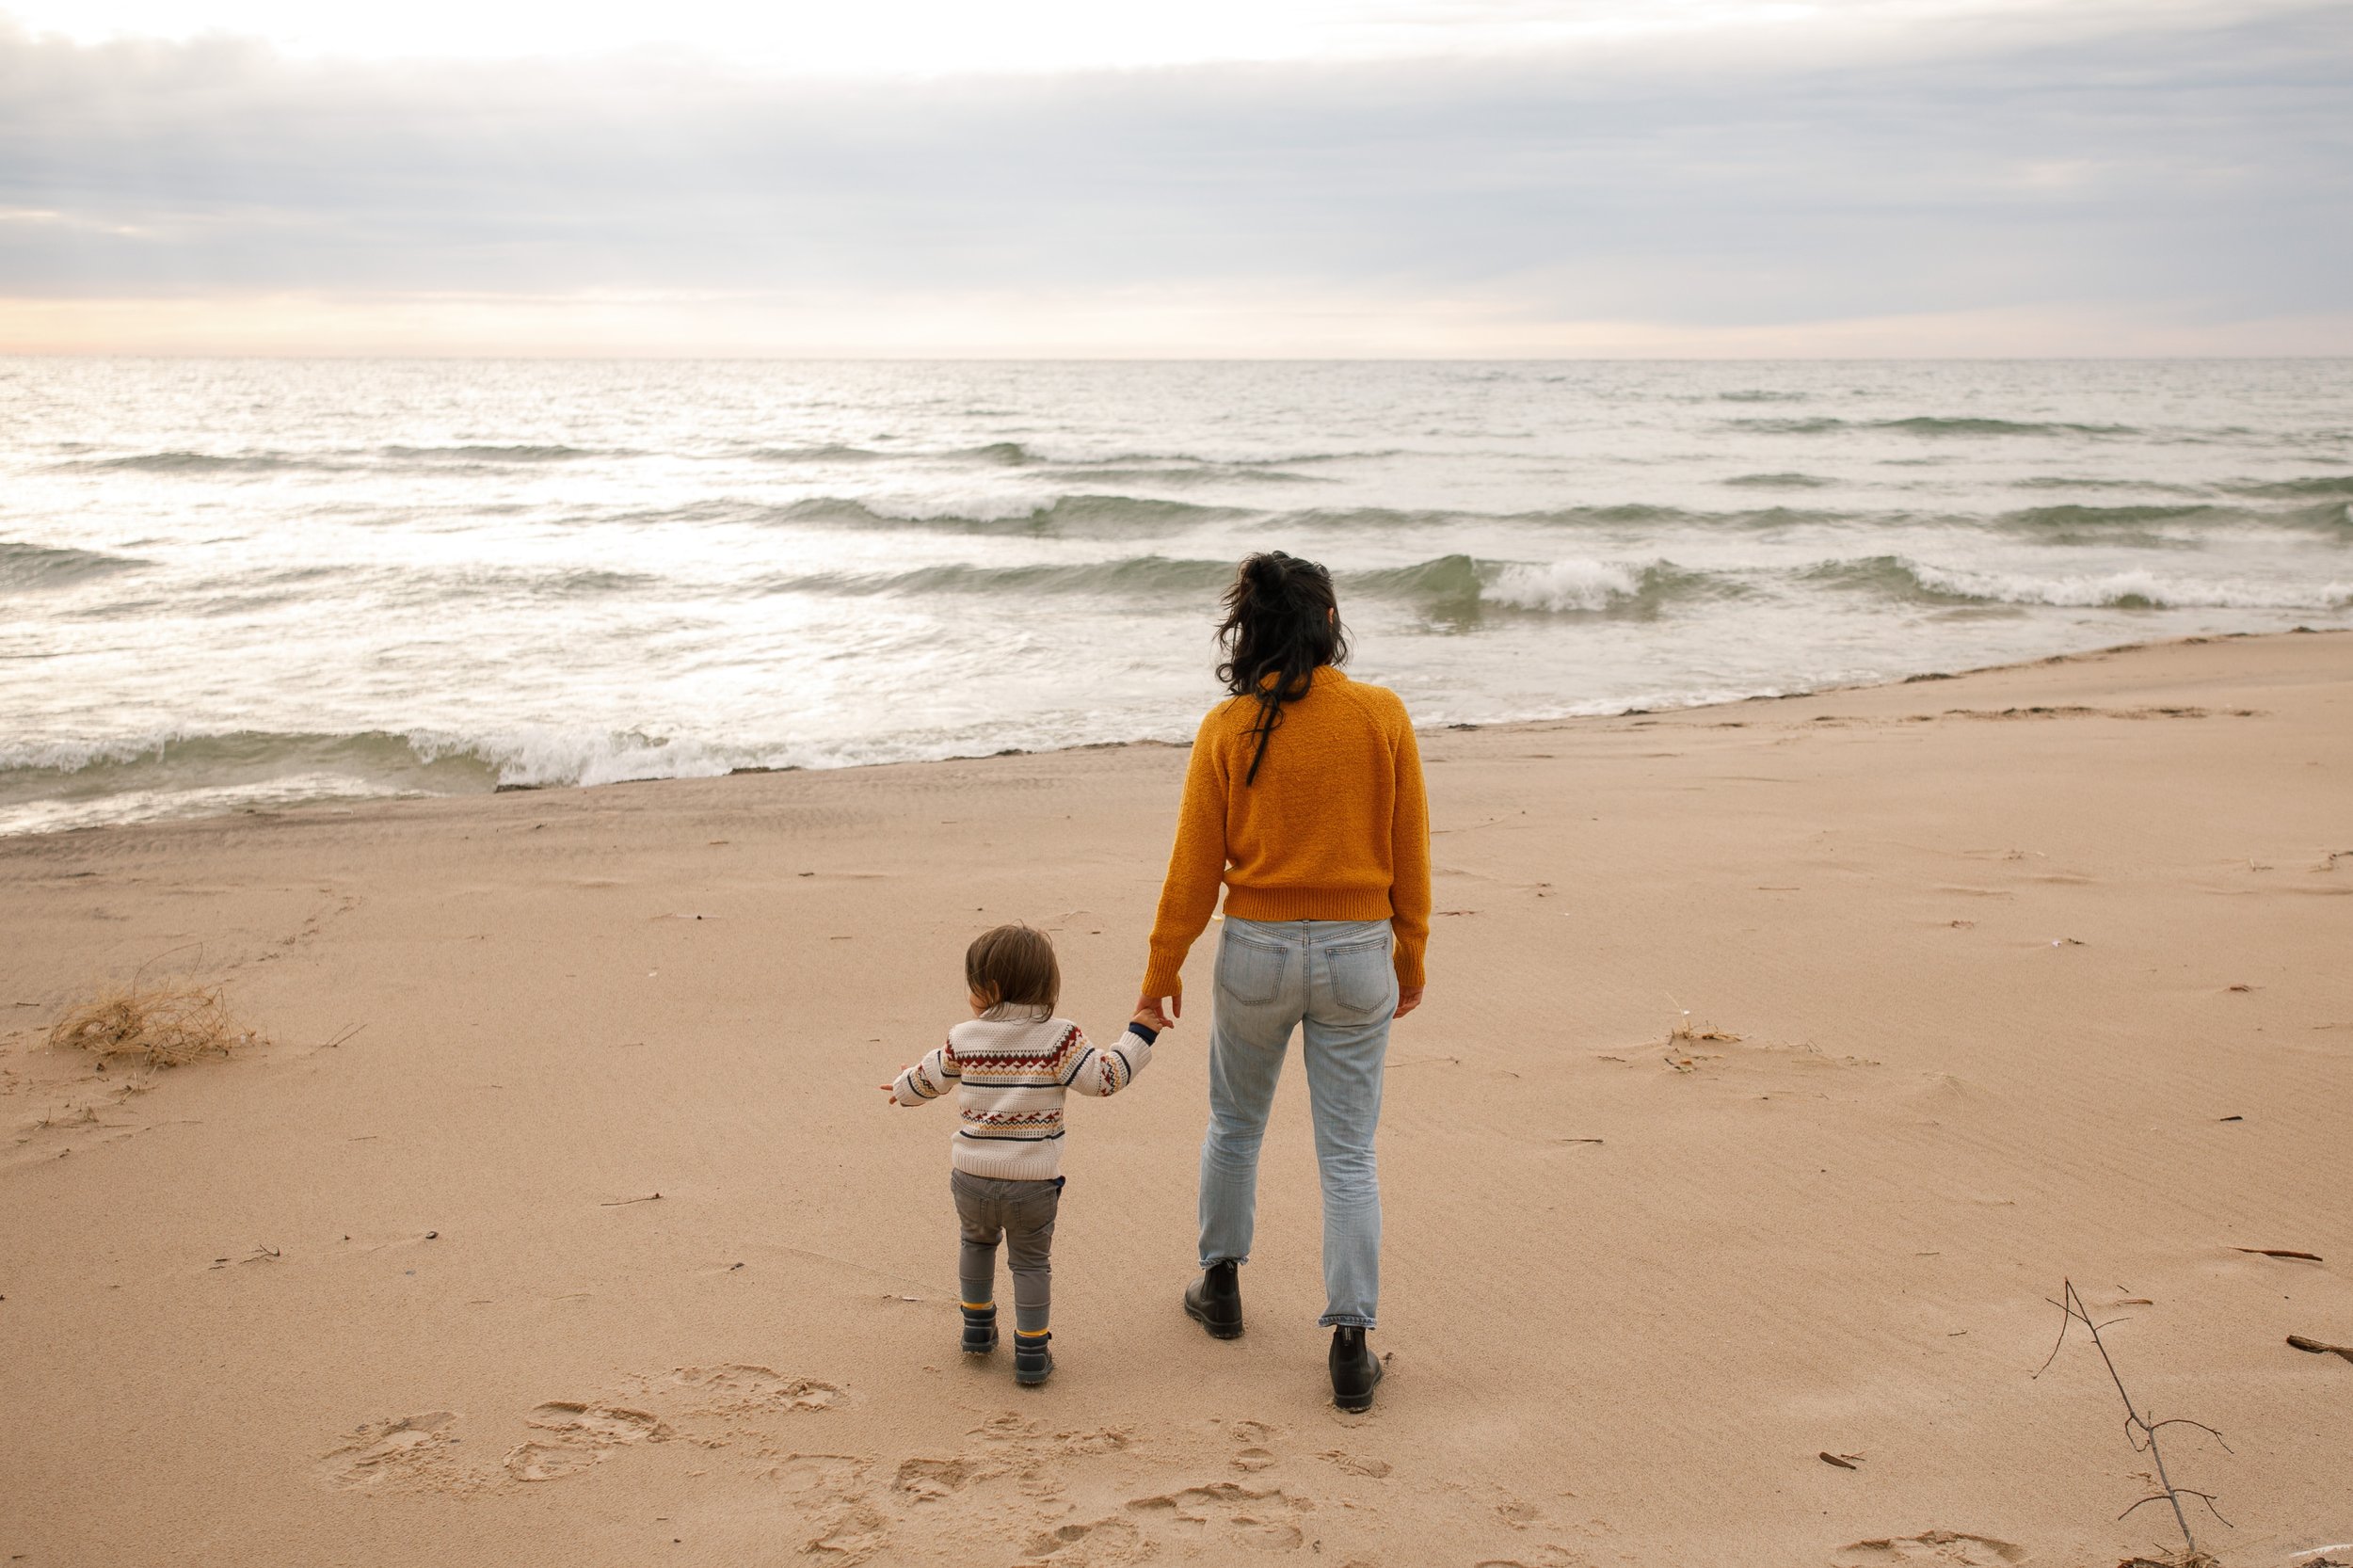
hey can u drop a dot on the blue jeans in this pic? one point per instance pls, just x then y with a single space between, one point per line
1335 981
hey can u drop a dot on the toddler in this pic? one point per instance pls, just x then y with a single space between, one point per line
1013 1063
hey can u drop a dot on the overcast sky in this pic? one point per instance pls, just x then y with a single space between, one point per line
1489 177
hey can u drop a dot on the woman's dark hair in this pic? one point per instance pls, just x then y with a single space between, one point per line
1013 966
1282 624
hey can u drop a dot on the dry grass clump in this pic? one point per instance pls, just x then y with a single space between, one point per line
166 1026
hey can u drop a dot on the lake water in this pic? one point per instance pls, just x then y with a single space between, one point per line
249 583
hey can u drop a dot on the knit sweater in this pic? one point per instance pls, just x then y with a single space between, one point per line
1334 827
1011 1072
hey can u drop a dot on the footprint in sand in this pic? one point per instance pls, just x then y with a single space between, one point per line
537 1461
1253 1455
411 1450
850 1533
1516 1513
1107 1542
819 1476
1032 1439
417 1451
602 1424
1225 1515
1356 1464
829 1492
929 1480
1945 1548
584 1433
740 1389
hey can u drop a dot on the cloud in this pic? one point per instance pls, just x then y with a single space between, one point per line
2177 172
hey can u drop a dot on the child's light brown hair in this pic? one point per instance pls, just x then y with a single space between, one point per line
1013 966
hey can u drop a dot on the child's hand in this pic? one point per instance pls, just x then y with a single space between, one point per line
891 1089
1153 1019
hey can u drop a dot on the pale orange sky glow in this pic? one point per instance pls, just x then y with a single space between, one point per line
1607 178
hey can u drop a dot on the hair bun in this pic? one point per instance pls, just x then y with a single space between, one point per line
1266 575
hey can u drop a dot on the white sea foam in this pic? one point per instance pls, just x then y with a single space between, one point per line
56 815
1559 586
536 758
2139 588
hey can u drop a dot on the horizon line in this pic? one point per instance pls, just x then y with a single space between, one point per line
7 353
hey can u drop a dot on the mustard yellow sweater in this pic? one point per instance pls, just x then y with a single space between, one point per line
1336 827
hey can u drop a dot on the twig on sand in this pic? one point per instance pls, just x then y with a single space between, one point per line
617 1203
2139 1430
345 1035
2320 1347
2281 1252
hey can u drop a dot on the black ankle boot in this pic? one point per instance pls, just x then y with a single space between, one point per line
980 1330
1354 1369
1032 1362
1214 1301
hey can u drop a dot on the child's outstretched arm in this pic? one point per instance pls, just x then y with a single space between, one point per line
1087 1069
928 1079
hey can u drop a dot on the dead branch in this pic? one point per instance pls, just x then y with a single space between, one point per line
2139 1430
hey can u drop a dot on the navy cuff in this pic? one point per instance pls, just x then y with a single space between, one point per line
1149 1035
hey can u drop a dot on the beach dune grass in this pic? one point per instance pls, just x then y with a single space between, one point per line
164 1026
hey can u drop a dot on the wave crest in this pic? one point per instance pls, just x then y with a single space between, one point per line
1929 425
37 566
1063 515
1923 583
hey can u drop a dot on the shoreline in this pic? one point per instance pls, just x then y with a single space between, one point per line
342 804
1781 1060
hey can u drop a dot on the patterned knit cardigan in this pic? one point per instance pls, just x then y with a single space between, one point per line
1012 1072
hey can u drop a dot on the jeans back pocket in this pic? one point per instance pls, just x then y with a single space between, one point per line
1249 973
1362 975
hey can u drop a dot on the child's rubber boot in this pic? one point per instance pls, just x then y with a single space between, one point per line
1214 1300
1354 1369
980 1330
1033 1361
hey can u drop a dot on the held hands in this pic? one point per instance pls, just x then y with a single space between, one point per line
1153 1019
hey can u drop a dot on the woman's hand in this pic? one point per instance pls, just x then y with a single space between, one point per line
1158 1013
1408 998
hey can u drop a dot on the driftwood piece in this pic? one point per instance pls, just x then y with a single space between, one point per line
2320 1347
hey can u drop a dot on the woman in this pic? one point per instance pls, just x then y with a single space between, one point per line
1304 799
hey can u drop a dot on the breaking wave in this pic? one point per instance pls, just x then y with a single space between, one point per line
1446 588
1902 578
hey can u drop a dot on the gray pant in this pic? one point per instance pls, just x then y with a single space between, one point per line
1022 1212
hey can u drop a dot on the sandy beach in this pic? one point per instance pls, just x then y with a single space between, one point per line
558 1217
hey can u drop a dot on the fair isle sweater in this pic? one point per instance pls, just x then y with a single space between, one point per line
1012 1071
